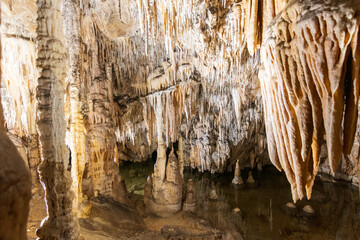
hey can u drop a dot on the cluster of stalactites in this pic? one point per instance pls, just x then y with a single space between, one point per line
310 87
216 31
259 14
174 102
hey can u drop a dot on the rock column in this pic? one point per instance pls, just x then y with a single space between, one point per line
77 127
51 125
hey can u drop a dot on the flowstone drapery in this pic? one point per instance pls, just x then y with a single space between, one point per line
310 87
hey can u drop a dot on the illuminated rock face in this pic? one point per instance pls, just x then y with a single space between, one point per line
310 87
19 74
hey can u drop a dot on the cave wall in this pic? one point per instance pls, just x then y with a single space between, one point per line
207 79
19 75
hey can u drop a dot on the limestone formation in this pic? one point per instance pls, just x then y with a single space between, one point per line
77 128
237 180
250 179
19 79
51 125
164 191
163 196
213 194
310 87
189 204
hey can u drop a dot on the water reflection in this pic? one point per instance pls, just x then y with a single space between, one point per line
264 210
261 211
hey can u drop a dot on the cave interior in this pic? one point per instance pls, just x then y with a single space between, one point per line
179 119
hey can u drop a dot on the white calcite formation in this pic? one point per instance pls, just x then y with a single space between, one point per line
77 141
310 87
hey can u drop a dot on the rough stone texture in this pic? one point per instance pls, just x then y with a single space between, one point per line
77 128
163 192
120 57
19 74
200 64
311 87
51 125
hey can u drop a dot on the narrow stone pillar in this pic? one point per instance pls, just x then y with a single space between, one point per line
181 156
160 165
51 125
77 127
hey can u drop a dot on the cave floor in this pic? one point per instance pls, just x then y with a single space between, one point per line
250 212
111 220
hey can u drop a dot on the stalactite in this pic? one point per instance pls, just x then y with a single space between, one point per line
252 25
51 61
310 87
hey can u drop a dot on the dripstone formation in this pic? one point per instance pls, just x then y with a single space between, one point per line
225 84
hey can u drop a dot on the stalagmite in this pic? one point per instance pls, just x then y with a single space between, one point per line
164 189
189 204
52 61
213 194
237 175
310 86
250 179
